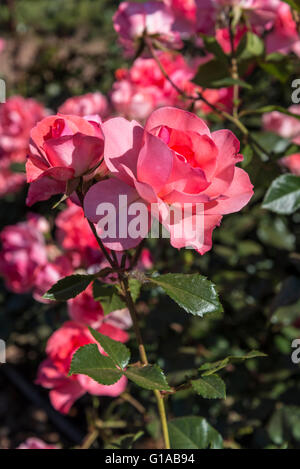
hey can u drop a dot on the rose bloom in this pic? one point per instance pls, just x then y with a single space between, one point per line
86 105
174 160
23 251
49 274
283 125
185 15
85 310
133 20
17 117
2 44
62 148
53 372
75 236
285 36
292 163
36 443
10 182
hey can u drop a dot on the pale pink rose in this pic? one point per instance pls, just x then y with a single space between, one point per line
144 88
86 105
292 163
62 148
286 126
36 443
2 45
49 274
23 251
152 18
75 236
85 310
17 117
185 15
175 160
10 182
206 16
285 36
53 372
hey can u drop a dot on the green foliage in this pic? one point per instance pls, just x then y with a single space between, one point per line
194 293
193 433
118 352
69 287
148 377
108 296
212 368
283 197
210 387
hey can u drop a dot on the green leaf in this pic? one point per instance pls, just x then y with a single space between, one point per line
295 4
117 351
271 108
193 292
148 377
213 46
248 155
211 72
193 433
69 287
125 441
212 368
135 288
108 296
251 46
283 196
228 82
210 387
286 315
89 361
284 425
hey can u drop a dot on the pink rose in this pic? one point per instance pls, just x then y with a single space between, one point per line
62 148
2 44
85 310
17 117
285 37
86 105
185 15
10 182
23 251
74 235
283 125
49 274
36 443
53 372
175 160
133 20
292 163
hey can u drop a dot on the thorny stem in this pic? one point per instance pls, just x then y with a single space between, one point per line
234 68
234 119
144 359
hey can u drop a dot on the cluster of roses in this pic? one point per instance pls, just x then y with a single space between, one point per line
29 263
170 21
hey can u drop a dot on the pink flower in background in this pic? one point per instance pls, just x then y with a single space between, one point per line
62 148
223 37
283 125
292 163
23 252
185 15
85 310
10 182
53 372
152 18
2 45
285 37
49 274
74 235
175 160
17 117
36 443
86 105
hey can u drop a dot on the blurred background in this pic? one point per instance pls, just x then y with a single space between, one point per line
64 48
